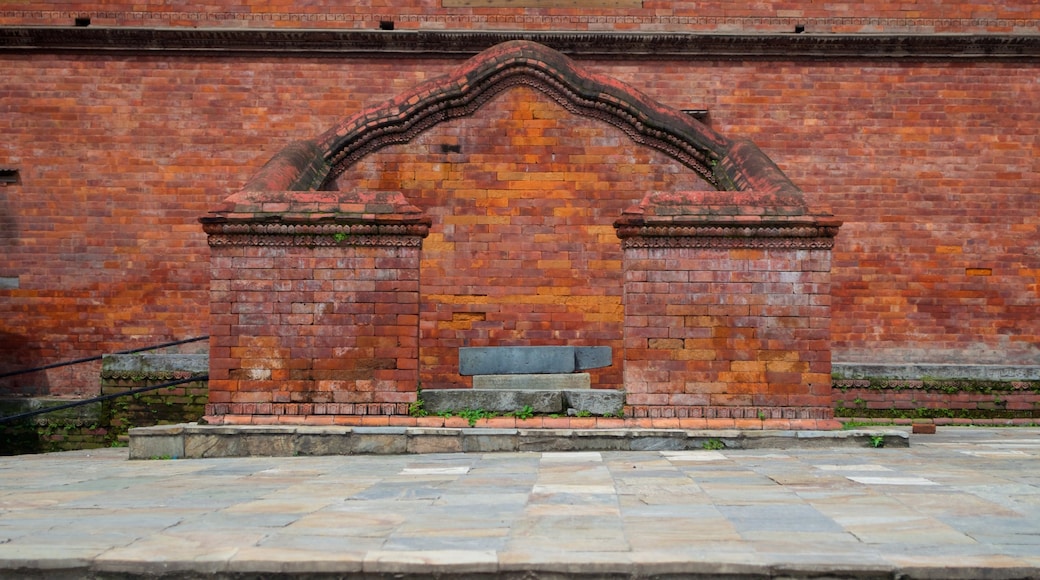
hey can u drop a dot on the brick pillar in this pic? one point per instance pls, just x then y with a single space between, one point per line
727 314
314 309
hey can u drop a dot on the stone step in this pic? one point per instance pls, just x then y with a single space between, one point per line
592 401
595 401
557 382
190 440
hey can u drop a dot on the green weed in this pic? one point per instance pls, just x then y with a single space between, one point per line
713 445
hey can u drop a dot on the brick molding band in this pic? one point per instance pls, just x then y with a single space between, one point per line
436 44
715 236
253 234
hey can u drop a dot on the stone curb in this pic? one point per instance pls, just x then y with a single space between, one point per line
192 441
479 565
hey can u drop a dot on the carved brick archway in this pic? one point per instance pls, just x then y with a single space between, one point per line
316 286
727 164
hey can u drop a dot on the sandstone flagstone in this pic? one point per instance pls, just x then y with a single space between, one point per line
793 514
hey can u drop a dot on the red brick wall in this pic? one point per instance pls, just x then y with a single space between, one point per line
934 398
931 165
728 332
927 16
523 197
118 157
933 168
313 331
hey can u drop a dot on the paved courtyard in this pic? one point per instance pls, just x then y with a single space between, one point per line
963 503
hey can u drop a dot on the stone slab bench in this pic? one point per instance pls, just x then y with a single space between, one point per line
528 360
548 379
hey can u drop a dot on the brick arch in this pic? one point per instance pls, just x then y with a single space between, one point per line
522 63
726 164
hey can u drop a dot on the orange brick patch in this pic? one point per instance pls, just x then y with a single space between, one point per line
923 428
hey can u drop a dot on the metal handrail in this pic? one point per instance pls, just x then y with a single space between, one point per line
101 398
98 357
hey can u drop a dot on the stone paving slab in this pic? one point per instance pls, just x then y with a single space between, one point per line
963 503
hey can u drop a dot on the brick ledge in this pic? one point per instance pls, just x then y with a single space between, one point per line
435 44
532 423
941 422
206 441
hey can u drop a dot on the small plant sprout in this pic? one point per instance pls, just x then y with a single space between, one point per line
713 445
473 415
525 413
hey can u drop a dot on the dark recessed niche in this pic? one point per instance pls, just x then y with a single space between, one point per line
699 114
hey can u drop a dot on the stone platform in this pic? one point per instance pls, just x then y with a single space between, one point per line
957 504
193 441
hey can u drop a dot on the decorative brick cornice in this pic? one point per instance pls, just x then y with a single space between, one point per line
316 218
714 230
431 43
765 236
313 235
149 375
698 220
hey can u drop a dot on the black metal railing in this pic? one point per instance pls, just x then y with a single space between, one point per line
100 356
101 398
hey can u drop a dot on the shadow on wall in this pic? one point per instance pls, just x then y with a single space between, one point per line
8 226
15 392
19 355
8 239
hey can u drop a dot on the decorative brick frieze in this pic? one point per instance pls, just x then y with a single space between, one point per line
743 219
311 219
263 234
766 235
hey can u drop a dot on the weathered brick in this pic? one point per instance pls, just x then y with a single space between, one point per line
899 289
